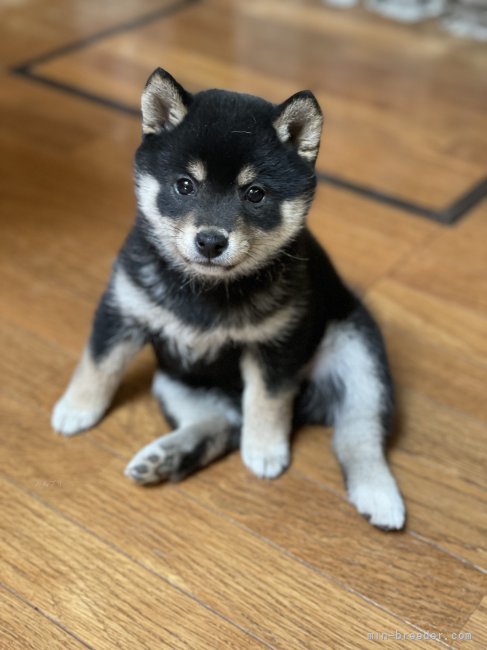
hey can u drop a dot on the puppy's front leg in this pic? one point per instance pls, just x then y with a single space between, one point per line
112 345
267 418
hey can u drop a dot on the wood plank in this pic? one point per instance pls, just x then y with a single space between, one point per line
23 627
435 319
399 84
474 223
474 634
204 554
43 134
350 227
94 590
444 375
28 30
323 530
453 265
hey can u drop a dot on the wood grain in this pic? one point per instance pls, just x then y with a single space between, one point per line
407 578
475 630
99 593
447 324
453 266
278 598
23 627
28 29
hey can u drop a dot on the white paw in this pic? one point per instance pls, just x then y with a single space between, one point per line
266 462
379 500
68 419
157 461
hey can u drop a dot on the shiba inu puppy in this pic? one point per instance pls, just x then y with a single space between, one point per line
254 331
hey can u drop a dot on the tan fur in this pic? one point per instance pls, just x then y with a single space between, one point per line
197 170
246 176
91 388
266 422
94 384
293 213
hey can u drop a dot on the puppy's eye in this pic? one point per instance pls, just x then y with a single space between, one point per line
254 194
184 186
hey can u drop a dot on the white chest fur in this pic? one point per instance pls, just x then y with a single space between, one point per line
187 341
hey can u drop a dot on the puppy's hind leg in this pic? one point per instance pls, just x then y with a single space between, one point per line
352 360
112 345
208 427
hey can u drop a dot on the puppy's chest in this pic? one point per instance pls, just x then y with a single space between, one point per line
188 343
193 334
193 342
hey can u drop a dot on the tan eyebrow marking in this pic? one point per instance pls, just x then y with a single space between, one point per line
197 170
246 175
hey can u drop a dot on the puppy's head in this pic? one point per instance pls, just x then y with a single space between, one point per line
224 180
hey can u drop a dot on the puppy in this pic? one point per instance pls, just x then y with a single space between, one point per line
254 332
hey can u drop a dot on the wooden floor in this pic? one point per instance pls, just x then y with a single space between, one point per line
224 560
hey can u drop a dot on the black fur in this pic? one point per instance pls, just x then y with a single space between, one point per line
110 328
228 131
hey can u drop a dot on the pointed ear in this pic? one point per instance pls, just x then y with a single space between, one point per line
164 103
299 121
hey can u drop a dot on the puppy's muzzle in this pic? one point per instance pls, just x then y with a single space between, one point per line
211 243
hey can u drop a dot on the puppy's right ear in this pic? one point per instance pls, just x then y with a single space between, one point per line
164 103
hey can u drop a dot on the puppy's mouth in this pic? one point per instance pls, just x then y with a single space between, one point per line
208 263
213 263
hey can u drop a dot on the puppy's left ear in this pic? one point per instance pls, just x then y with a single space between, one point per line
299 121
164 103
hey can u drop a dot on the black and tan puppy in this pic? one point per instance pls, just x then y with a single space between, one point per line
253 330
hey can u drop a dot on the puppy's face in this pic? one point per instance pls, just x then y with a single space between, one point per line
224 180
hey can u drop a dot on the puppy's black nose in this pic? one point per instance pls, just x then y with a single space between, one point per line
211 243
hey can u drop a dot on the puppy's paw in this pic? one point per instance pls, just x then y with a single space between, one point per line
69 419
158 461
378 499
266 461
